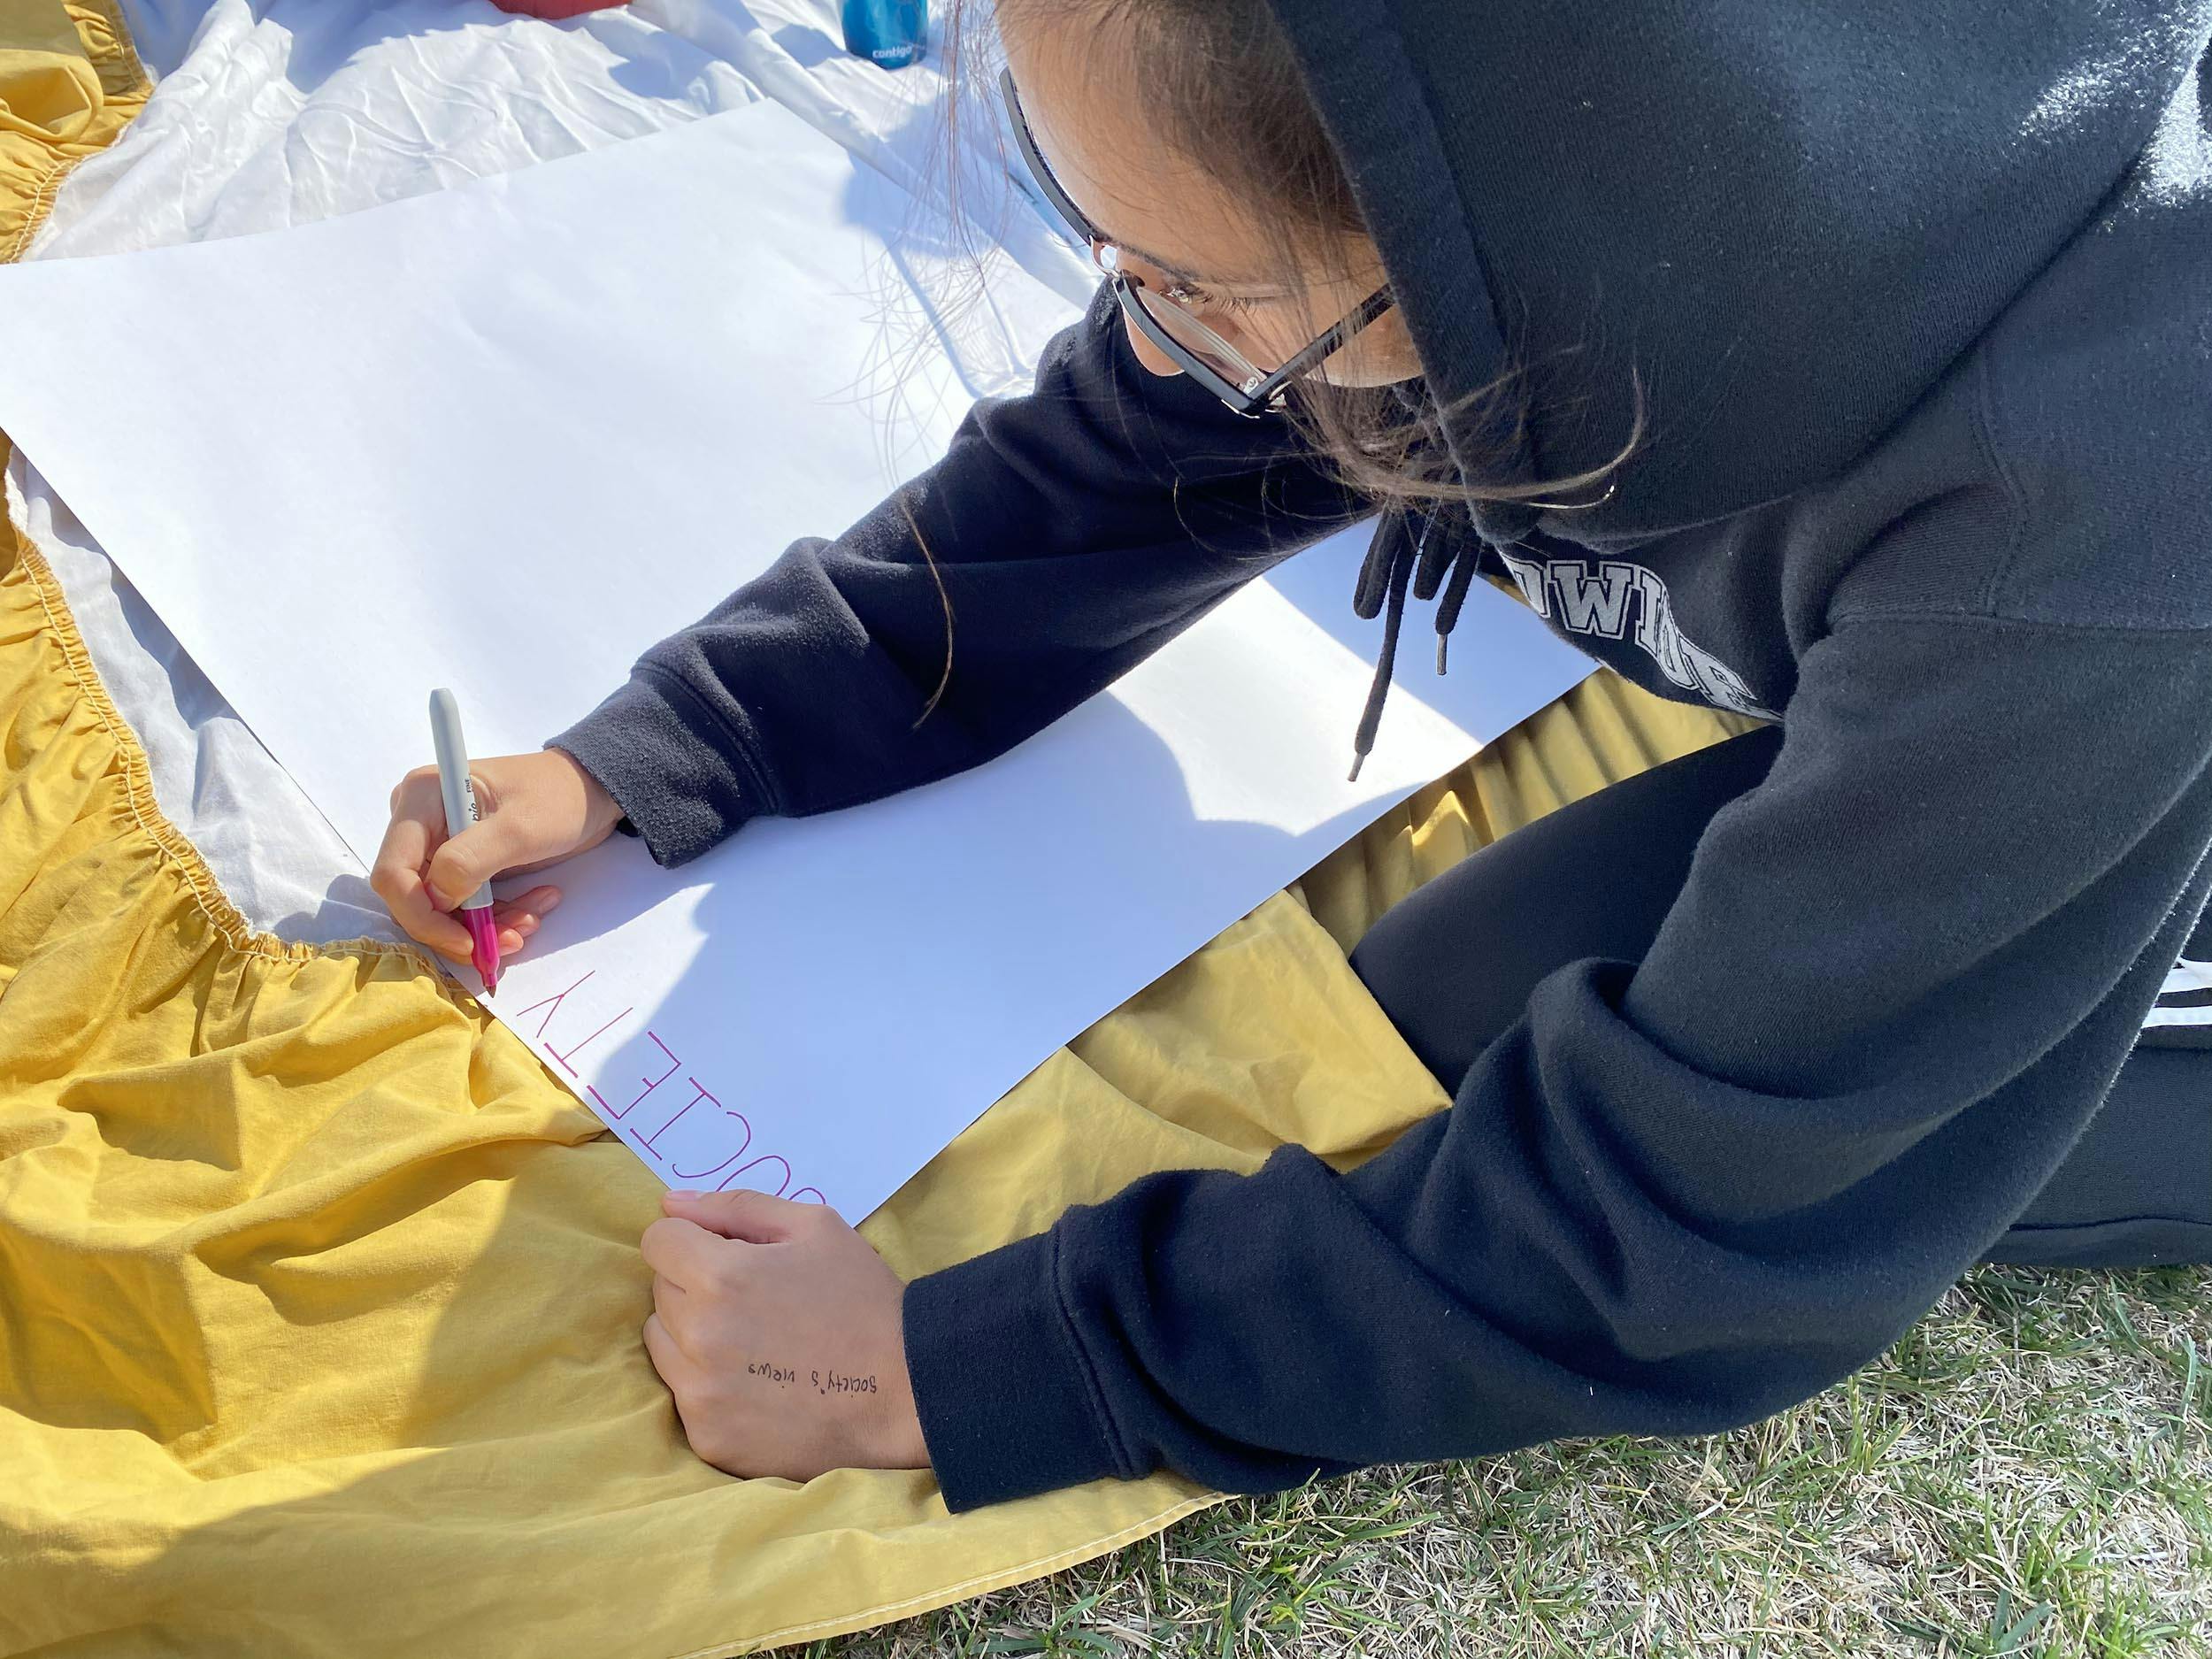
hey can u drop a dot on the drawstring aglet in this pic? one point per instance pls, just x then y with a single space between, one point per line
1442 640
1357 761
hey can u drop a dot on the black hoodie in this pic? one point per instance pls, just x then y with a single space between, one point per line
1919 297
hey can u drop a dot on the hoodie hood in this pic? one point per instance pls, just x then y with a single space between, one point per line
1784 223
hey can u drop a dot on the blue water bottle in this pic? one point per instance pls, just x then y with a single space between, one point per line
888 32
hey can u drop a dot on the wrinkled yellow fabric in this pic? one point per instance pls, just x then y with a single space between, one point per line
69 82
319 1298
1602 731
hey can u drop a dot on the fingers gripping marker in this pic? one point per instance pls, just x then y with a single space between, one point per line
458 791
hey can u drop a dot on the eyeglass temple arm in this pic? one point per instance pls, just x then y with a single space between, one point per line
1369 309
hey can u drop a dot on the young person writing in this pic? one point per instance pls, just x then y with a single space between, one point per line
1846 371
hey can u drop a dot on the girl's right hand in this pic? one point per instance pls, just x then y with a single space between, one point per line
535 810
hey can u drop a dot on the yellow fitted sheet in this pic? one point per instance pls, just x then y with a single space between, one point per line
319 1298
69 82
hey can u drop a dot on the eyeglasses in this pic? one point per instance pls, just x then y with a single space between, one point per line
1214 362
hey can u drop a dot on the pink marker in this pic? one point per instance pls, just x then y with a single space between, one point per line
459 791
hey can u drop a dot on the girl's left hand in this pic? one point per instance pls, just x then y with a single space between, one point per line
777 1328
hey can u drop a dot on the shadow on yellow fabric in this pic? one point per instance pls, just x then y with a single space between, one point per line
320 1300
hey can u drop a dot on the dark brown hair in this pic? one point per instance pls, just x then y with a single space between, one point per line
1221 84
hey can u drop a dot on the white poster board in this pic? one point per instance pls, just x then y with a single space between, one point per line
505 437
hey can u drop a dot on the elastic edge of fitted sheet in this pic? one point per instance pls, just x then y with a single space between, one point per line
41 204
225 917
127 58
982 1583
124 56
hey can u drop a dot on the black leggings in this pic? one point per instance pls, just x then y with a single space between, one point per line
1453 966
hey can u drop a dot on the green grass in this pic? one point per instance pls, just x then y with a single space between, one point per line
2028 1472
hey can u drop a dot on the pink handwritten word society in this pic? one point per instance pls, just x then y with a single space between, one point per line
664 1126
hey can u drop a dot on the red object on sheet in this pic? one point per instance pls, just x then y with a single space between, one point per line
555 9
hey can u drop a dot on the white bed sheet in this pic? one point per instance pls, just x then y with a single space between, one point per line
271 116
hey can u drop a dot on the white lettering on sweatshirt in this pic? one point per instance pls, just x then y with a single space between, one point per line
1593 596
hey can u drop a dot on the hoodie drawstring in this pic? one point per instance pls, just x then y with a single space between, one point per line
1395 563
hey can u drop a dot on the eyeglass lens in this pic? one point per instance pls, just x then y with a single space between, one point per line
1195 337
1176 319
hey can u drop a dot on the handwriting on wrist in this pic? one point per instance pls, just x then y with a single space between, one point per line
831 1382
